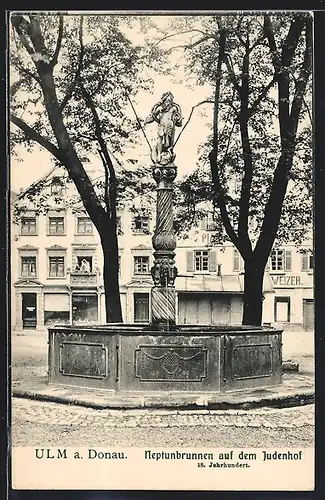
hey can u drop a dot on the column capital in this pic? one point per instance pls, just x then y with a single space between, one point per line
164 175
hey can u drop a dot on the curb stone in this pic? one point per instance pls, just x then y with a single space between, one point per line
279 401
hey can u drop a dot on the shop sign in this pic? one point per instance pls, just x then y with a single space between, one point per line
291 280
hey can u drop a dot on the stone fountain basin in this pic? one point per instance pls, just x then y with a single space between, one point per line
142 358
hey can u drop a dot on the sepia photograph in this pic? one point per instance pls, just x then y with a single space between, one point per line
161 250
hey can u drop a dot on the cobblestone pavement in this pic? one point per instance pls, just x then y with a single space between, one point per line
36 423
64 415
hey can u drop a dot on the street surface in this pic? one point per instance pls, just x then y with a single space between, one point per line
37 423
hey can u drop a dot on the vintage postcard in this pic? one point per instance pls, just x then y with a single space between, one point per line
162 260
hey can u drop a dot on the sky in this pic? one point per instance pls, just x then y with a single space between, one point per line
39 162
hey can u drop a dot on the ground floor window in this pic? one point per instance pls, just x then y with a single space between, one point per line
56 308
282 309
141 307
84 309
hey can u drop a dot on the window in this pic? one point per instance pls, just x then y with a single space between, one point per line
56 267
57 186
307 261
238 261
56 308
84 309
84 225
28 266
84 264
141 307
201 261
281 260
208 223
282 309
28 225
119 266
56 225
141 265
141 224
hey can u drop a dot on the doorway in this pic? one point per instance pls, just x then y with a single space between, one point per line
29 311
308 314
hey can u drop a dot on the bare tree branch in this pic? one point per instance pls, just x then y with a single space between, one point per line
262 96
105 154
192 45
244 200
221 55
26 71
106 186
274 204
281 65
58 43
302 80
232 75
21 26
166 37
71 88
206 101
15 86
296 80
213 156
35 136
221 202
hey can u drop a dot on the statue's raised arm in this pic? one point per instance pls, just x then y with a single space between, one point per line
168 115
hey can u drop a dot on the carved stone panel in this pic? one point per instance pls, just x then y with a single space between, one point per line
80 359
252 361
83 279
170 363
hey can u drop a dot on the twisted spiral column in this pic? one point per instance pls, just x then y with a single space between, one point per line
163 295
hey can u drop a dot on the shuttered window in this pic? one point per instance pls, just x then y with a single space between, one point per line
190 261
307 261
201 260
287 263
281 260
238 261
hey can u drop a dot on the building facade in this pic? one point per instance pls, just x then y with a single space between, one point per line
56 271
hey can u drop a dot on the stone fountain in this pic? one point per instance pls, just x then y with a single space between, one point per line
165 357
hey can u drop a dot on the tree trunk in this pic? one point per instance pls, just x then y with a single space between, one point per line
111 280
253 292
